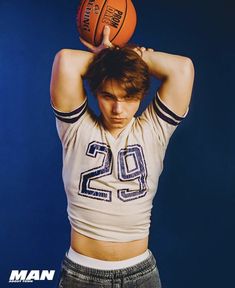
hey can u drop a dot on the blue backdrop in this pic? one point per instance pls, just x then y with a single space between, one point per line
192 234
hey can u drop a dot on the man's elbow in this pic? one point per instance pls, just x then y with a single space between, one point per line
182 70
62 58
186 68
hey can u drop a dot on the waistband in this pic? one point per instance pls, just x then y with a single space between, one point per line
74 268
105 265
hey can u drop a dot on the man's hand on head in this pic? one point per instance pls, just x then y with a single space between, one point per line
141 50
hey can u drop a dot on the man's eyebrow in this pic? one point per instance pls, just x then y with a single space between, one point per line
114 96
106 92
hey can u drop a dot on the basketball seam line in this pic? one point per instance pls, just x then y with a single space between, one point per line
97 23
121 24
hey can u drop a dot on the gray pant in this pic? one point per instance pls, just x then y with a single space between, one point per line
142 275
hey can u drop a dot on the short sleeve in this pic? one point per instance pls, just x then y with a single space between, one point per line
163 120
68 122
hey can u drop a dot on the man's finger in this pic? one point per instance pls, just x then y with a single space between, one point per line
106 33
87 44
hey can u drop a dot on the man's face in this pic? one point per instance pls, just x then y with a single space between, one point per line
116 106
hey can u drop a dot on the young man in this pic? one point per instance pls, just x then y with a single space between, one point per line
111 164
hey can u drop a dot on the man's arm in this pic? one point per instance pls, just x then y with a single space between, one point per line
177 75
69 67
66 89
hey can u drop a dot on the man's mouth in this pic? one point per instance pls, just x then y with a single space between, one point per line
117 119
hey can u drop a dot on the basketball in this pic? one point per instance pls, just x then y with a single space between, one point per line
119 15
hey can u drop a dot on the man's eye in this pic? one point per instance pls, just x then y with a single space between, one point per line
107 96
131 98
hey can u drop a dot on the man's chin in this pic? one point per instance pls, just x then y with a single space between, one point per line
118 125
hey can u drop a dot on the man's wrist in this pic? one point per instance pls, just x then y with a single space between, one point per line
146 56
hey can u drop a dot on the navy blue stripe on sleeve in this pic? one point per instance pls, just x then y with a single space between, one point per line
167 110
71 120
163 116
73 116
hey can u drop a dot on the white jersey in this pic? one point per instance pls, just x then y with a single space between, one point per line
110 183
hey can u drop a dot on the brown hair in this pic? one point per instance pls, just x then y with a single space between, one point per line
123 65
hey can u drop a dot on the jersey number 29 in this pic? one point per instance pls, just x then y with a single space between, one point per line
125 174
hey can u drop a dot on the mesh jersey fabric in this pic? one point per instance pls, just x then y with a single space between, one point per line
110 182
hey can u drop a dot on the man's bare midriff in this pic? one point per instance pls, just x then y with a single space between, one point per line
106 250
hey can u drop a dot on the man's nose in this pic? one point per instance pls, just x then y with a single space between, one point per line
117 107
